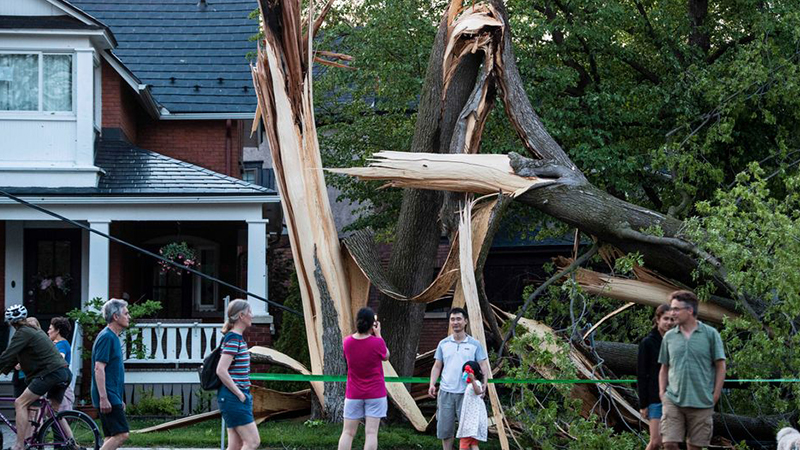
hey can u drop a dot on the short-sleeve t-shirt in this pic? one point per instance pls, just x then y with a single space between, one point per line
453 355
233 344
364 367
66 349
692 368
107 349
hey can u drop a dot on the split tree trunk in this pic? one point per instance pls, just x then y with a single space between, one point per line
412 263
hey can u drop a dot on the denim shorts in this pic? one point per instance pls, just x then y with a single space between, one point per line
355 409
654 410
234 411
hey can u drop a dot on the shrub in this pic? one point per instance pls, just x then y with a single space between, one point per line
149 405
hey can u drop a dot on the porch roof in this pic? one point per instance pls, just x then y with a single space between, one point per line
133 171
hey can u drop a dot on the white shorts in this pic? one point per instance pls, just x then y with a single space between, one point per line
355 409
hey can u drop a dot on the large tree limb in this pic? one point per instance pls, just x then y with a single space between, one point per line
518 107
469 288
642 293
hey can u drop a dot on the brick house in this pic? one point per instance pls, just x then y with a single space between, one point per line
131 117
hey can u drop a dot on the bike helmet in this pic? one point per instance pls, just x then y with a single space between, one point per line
15 313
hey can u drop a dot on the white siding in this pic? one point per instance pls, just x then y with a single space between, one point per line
37 142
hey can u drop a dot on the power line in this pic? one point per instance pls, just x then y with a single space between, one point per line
147 252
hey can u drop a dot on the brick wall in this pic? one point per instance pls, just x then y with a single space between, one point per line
258 335
200 142
120 107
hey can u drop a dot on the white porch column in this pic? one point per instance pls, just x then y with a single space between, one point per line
14 263
257 269
98 261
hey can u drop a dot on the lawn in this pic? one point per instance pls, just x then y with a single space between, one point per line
286 434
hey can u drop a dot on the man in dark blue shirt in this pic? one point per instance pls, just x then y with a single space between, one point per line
108 380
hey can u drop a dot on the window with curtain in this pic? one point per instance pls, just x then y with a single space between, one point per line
57 83
22 76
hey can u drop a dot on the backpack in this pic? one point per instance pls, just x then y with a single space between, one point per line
209 380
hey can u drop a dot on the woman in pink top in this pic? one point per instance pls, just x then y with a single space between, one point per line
365 394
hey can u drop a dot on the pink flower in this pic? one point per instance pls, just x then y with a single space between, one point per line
59 282
45 284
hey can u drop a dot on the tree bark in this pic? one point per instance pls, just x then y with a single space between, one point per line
621 358
413 260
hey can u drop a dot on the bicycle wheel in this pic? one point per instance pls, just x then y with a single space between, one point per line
81 432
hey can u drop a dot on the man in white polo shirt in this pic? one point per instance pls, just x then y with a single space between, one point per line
451 354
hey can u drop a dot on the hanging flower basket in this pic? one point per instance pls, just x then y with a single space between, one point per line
179 252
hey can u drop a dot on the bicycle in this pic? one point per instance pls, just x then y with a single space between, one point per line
73 430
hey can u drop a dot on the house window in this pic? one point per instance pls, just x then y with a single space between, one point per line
36 82
250 176
204 291
251 172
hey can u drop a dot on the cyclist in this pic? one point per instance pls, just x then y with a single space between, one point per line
46 372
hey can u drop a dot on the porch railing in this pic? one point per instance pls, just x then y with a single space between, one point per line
173 342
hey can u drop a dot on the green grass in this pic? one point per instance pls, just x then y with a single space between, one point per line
287 434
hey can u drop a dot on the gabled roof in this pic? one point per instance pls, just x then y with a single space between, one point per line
192 52
133 171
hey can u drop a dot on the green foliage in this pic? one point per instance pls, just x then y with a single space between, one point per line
92 322
756 235
204 399
149 405
544 408
627 263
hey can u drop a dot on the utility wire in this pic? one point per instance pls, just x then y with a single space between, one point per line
147 252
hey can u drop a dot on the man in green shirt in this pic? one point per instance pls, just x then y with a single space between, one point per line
692 373
46 372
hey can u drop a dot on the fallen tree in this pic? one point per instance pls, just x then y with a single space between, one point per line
544 178
471 62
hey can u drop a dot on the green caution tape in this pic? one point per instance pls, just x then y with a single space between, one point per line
425 380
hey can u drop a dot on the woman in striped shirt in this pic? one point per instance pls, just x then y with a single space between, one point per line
235 401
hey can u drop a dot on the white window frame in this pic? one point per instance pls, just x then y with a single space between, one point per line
39 112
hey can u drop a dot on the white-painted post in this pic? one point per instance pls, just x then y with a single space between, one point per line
98 261
222 433
84 106
14 263
257 269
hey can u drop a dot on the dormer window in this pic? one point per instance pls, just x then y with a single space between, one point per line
36 82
